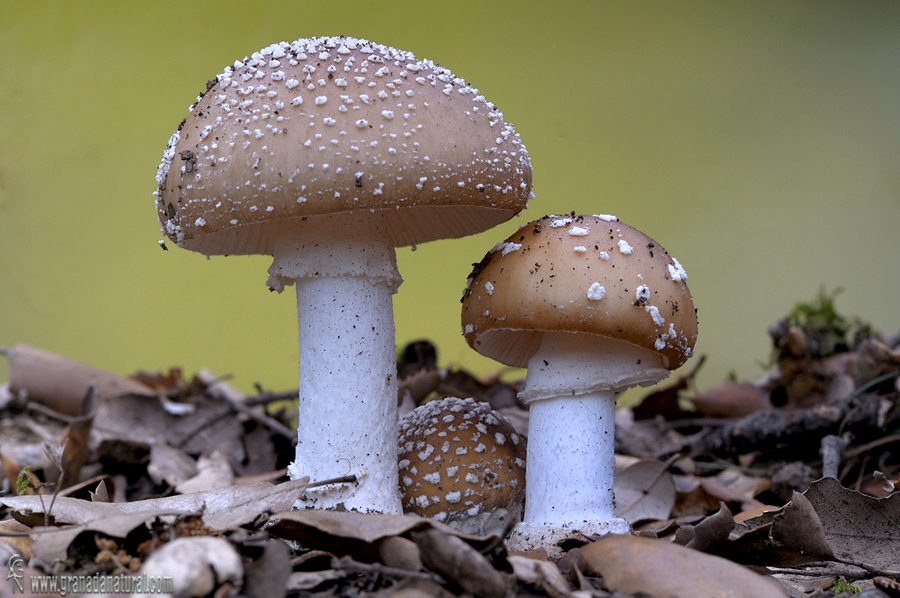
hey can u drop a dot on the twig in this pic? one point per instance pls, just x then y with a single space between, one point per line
858 450
264 398
832 448
347 479
269 422
345 563
53 414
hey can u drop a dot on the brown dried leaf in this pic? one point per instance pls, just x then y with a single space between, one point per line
61 383
400 553
457 561
644 491
732 399
134 421
75 441
664 401
797 527
660 569
213 471
319 529
710 534
543 574
221 509
309 580
267 576
13 533
858 527
52 543
722 492
170 465
313 528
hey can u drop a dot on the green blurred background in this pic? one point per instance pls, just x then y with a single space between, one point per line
759 142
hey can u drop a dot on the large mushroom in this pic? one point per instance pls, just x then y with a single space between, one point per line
591 307
328 153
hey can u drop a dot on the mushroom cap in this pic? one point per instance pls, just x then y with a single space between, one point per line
461 463
578 274
338 125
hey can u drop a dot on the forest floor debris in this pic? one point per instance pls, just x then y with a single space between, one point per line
782 486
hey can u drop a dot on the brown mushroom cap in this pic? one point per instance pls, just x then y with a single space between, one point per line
580 274
338 125
459 461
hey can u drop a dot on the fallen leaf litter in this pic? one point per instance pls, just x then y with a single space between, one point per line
723 487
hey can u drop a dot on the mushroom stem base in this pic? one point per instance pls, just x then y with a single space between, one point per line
531 536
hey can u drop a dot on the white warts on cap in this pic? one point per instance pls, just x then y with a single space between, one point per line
676 271
606 217
596 292
642 293
385 108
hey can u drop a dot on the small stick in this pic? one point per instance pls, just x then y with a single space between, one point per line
832 449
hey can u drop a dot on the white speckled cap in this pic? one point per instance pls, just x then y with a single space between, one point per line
338 125
579 274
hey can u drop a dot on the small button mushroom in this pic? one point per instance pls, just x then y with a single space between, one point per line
591 307
327 154
463 464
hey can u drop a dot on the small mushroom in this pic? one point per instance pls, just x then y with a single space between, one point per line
326 154
591 307
463 464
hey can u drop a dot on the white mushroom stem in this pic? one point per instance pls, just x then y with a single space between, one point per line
571 389
348 377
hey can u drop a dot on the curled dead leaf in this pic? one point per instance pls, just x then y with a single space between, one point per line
732 399
457 561
677 572
61 383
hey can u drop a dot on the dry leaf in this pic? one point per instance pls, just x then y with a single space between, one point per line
797 527
709 534
12 535
308 526
309 580
221 509
141 422
543 574
664 401
267 576
213 471
400 553
75 441
61 383
457 561
52 543
858 527
170 465
318 529
732 399
661 569
644 491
